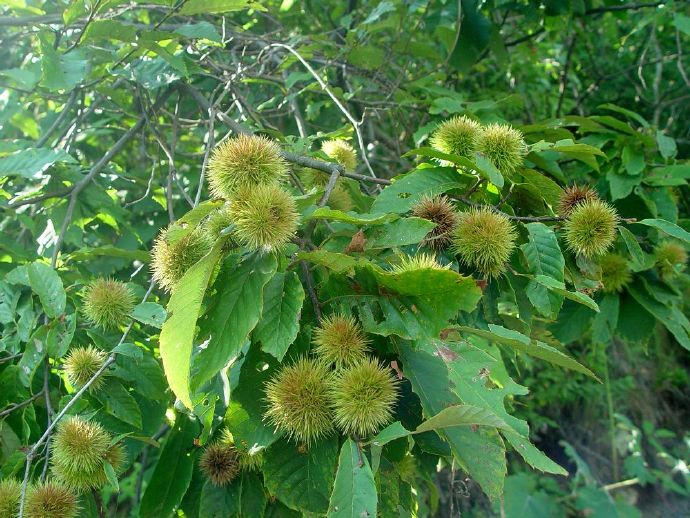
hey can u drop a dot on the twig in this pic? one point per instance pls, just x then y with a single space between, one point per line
10 358
341 107
22 21
148 187
319 165
39 198
679 62
622 483
310 288
624 7
46 435
50 413
81 185
17 406
210 142
58 120
144 459
564 76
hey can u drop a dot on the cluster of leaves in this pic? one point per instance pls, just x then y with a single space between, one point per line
475 263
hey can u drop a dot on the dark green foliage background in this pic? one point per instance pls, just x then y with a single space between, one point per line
108 111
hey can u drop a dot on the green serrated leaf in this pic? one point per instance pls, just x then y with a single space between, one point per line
177 333
413 304
60 71
481 453
150 313
544 257
237 309
667 228
405 231
406 190
279 324
672 318
118 402
173 471
351 217
532 455
302 479
517 340
218 6
244 416
462 415
354 491
335 261
111 476
636 254
559 287
86 254
488 170
46 283
390 433
30 162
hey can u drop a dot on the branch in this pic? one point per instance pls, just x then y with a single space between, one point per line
46 435
56 123
319 165
564 76
17 406
625 7
22 21
10 358
341 107
39 198
311 291
96 169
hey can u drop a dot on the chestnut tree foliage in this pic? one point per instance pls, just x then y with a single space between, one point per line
292 258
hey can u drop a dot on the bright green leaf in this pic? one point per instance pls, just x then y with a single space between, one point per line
46 283
354 492
279 324
177 333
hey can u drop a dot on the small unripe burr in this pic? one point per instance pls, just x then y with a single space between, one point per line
220 463
298 400
591 228
244 161
10 493
456 136
250 459
615 273
340 340
671 257
421 261
172 258
218 221
107 303
503 146
81 365
50 499
573 196
342 152
484 240
363 397
265 217
80 451
340 198
441 211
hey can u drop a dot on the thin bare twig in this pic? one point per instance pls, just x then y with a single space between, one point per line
95 170
355 124
46 435
310 289
305 161
17 406
59 119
